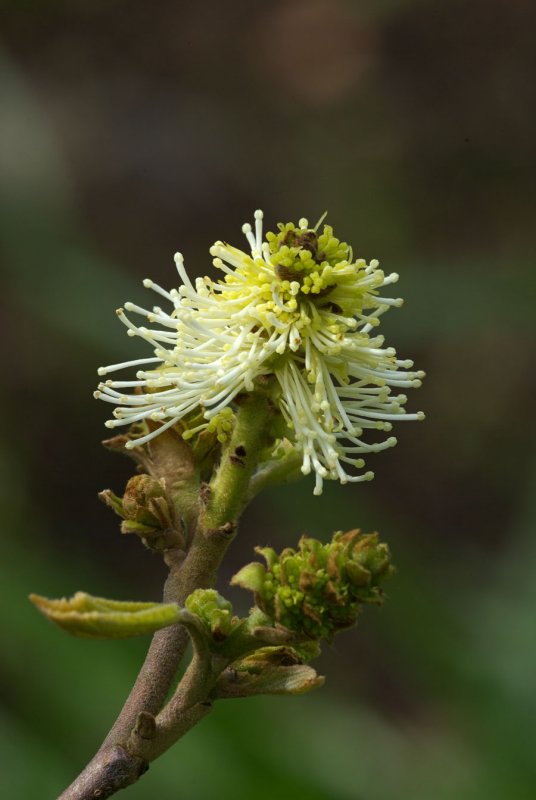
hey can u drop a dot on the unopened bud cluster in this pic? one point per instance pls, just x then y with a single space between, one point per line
214 611
319 588
144 507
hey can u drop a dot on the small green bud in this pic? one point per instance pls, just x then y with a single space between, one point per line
214 611
205 439
320 588
357 574
302 254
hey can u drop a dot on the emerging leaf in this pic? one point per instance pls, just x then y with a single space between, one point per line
246 681
99 618
250 577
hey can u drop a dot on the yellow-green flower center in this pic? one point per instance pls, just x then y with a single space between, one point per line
300 278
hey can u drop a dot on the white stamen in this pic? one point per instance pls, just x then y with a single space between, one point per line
220 337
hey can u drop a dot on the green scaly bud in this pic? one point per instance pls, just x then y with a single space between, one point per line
214 611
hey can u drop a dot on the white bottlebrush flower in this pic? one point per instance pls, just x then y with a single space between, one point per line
297 306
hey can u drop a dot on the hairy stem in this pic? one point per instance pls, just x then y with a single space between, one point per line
230 486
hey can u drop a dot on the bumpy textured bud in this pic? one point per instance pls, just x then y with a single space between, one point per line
215 612
297 253
320 588
144 506
145 501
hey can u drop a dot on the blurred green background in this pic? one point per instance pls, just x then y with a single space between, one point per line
132 129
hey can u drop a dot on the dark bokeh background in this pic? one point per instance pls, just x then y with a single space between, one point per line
133 129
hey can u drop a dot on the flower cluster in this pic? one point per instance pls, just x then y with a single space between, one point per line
299 307
320 588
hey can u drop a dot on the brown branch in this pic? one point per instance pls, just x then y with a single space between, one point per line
113 768
125 753
143 730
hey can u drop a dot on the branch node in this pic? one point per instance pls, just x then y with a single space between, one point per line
145 726
224 532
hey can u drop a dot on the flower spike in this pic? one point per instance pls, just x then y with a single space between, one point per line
296 306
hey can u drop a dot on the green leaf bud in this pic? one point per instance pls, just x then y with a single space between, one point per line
214 611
